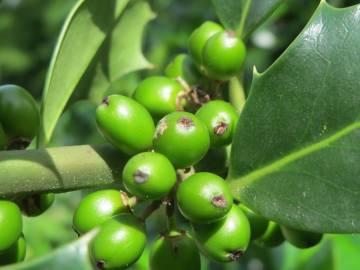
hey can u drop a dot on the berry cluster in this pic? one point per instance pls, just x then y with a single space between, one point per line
179 163
16 104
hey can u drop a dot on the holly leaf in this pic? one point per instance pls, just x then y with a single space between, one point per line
75 255
72 256
100 42
244 15
120 54
296 152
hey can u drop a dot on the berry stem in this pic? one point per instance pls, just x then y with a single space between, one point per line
215 90
185 173
132 201
150 209
184 84
171 223
237 93
170 210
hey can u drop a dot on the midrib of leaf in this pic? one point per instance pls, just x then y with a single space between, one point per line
243 181
58 46
44 137
244 16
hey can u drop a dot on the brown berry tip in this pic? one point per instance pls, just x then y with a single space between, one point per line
219 201
100 264
185 122
231 33
220 128
235 255
105 101
140 176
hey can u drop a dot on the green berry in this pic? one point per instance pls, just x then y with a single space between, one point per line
18 106
182 138
119 243
183 67
175 251
223 55
159 95
199 38
149 175
220 118
125 123
15 253
204 198
272 236
98 207
301 239
258 223
225 240
35 205
10 224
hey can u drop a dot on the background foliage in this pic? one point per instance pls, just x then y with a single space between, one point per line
28 33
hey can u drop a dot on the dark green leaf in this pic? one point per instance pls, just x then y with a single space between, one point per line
296 152
120 54
244 15
82 35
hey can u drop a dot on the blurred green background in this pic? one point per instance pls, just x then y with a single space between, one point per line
28 33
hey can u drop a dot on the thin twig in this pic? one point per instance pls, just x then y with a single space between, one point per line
150 209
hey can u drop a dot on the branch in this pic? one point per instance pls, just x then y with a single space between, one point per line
59 169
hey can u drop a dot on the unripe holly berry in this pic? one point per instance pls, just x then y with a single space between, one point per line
301 239
159 95
125 123
272 236
199 37
223 56
18 106
204 198
10 224
119 243
175 251
258 223
149 175
183 67
15 253
215 161
225 240
182 138
35 205
98 207
220 118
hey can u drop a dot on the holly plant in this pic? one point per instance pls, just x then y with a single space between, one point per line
227 165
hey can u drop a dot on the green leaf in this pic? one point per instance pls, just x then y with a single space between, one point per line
296 152
245 15
82 35
71 256
121 53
